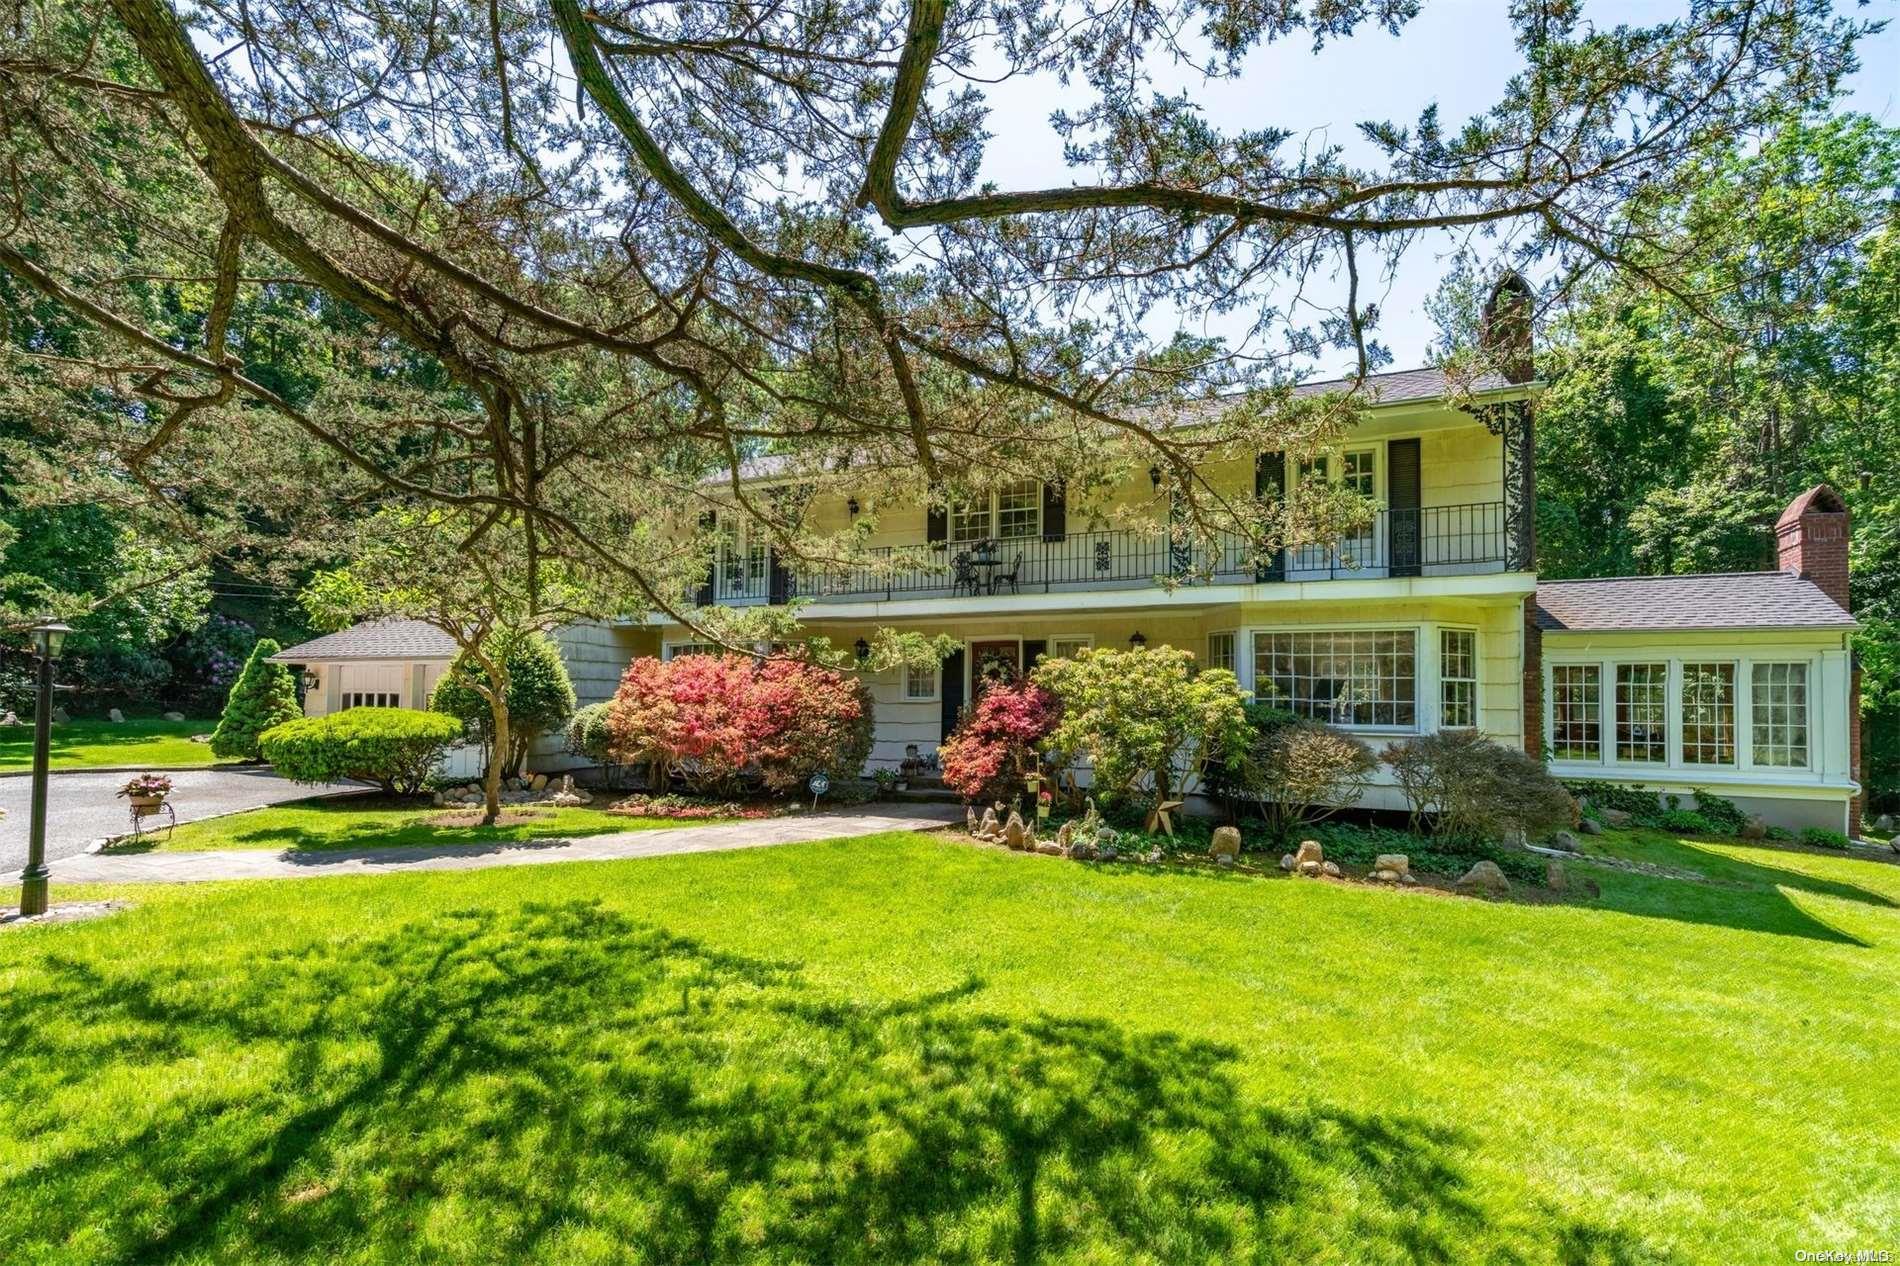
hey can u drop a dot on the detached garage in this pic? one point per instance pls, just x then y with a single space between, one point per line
379 664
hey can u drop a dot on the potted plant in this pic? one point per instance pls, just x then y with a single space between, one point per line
885 779
1032 782
147 792
1044 799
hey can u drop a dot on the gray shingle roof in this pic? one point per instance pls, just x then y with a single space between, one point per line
373 639
1404 386
1731 600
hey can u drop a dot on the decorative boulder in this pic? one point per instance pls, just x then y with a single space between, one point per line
1286 861
1309 851
1309 869
538 782
1049 848
1397 863
1884 822
1065 834
1107 853
62 717
1329 869
1223 859
1564 842
1013 830
1554 878
8 718
1590 826
988 829
1485 877
1084 852
115 716
969 818
174 716
1615 817
568 796
1226 843
1756 828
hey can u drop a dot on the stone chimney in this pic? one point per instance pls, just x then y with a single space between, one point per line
1811 540
1506 334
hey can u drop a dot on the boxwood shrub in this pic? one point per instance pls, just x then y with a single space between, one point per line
395 748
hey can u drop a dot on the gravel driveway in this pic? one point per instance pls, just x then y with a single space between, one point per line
82 806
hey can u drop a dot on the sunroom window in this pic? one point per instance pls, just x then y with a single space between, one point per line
1642 713
1708 714
1778 714
1576 712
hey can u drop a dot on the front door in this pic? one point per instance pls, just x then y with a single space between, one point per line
991 662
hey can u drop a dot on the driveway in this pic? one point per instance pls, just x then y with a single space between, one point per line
83 805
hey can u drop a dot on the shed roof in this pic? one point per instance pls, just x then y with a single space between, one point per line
1728 600
373 639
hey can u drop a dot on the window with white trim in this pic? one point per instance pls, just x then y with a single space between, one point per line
1069 647
1778 715
1010 513
1359 471
673 650
369 699
1708 714
1576 712
1220 651
1354 677
920 682
1457 679
1642 713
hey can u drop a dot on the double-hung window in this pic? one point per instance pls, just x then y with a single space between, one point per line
1457 679
1220 651
1356 677
1068 647
1576 712
920 682
1012 512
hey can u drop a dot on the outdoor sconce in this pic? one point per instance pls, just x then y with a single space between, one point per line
1136 641
309 679
852 506
48 637
1154 477
863 648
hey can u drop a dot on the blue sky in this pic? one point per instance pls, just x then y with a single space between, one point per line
1457 53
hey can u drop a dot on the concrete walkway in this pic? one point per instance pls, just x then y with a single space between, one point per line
164 867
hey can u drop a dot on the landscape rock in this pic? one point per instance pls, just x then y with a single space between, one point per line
1223 859
1590 826
8 718
1154 856
1565 842
61 716
1485 877
1065 834
1286 861
1329 869
1049 848
538 782
115 716
1385 876
1084 852
1397 863
1226 842
1615 817
1107 853
1554 877
1309 851
1309 869
1756 828
1884 822
438 800
988 829
969 818
174 716
1013 830
569 796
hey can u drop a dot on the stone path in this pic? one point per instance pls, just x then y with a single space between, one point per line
261 864
83 805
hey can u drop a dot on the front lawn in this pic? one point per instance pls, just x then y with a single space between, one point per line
148 744
910 1048
371 821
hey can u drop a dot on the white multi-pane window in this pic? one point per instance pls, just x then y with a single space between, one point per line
742 563
1457 679
1220 651
1360 677
1358 471
1011 513
370 699
1708 714
920 682
1576 712
1642 713
1778 714
1312 470
673 650
1068 647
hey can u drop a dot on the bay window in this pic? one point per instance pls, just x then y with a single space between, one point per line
1359 677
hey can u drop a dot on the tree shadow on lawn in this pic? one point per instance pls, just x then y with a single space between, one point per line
563 1082
1744 894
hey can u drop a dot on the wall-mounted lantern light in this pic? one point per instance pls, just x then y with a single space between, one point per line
1154 477
863 648
1136 641
310 680
852 506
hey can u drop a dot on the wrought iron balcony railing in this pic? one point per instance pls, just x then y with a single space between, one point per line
1433 541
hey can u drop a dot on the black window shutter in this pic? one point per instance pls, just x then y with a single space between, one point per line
1032 651
936 522
952 692
1269 484
1055 512
703 596
1404 533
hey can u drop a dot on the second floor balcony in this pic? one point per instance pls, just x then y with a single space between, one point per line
1471 539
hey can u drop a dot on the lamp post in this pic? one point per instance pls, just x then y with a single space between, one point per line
48 636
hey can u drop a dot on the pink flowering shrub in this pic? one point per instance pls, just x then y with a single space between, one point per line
715 722
995 744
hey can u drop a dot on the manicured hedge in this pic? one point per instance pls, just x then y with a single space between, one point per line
395 748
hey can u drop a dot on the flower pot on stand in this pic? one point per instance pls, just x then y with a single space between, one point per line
145 806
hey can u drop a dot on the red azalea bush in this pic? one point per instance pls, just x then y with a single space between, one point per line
714 721
995 743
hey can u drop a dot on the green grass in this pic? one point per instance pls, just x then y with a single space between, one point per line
370 821
908 1048
93 744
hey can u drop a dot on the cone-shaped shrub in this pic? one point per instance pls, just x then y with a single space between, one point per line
264 695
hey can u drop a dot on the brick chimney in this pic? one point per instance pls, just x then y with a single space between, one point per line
1506 332
1811 540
